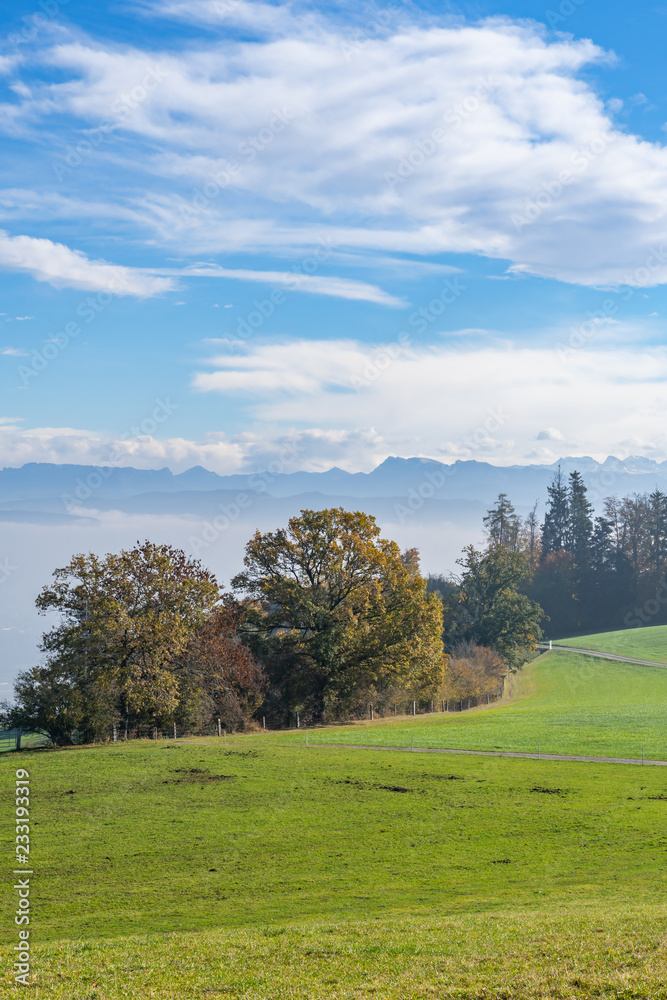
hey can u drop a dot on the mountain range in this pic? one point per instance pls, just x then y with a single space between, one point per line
398 489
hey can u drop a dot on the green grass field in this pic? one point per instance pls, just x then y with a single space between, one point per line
263 868
565 703
639 643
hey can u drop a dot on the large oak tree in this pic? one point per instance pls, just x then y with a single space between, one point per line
335 609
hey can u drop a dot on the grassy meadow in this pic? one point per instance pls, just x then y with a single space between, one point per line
640 643
265 868
563 703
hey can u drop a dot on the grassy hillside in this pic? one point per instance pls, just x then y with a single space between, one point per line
147 839
566 703
590 951
267 869
641 643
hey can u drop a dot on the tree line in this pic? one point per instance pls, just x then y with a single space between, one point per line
325 619
589 572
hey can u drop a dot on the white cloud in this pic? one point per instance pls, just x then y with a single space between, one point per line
489 403
13 352
143 451
550 434
342 288
67 268
484 139
259 17
350 404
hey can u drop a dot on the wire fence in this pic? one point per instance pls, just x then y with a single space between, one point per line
19 739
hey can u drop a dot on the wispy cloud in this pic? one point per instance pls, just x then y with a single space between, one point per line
342 288
66 268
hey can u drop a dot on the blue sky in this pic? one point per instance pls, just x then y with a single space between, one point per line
408 229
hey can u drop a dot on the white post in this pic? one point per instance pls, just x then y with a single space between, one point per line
174 730
114 732
550 646
219 728
263 722
414 709
298 724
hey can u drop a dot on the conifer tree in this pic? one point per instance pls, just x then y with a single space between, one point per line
502 524
580 524
556 519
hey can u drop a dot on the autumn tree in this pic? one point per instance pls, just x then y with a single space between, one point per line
473 671
337 609
134 629
217 675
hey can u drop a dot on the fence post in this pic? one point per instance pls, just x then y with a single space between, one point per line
115 734
263 722
154 732
19 733
174 730
371 707
219 728
298 723
414 709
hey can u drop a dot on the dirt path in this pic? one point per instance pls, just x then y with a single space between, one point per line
497 753
600 655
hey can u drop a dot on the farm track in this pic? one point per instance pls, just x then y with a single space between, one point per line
468 753
600 655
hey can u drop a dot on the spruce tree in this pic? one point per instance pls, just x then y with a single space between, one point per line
658 532
502 524
556 519
580 524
